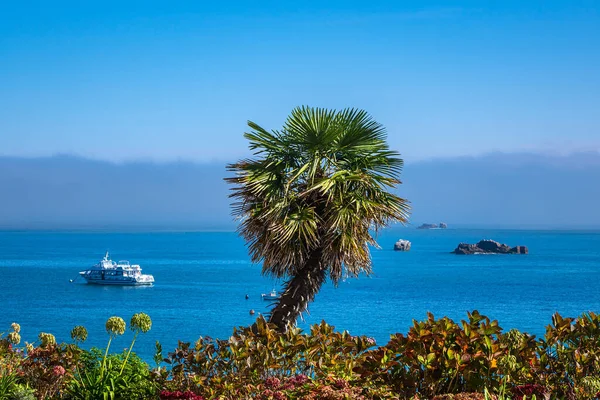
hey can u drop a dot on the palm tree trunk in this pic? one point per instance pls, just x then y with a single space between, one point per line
298 292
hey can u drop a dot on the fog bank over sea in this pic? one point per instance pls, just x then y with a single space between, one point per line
502 190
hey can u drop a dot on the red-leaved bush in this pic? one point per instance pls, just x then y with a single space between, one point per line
166 395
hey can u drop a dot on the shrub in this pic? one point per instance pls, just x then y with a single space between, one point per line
568 359
440 356
252 355
48 370
437 359
120 376
8 383
114 376
22 392
461 396
166 395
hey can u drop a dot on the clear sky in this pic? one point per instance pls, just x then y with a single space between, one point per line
123 80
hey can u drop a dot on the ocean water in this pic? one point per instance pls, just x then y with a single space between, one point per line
202 279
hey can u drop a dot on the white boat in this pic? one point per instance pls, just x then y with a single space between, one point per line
108 272
270 296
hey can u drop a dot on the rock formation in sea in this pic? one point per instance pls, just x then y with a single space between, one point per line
402 245
427 226
442 225
489 247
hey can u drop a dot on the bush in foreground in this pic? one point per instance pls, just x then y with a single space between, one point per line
437 359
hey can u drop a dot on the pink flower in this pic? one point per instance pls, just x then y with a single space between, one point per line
58 370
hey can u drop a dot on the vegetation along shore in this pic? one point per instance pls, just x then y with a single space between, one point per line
436 359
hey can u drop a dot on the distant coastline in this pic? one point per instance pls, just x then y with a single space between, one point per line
193 229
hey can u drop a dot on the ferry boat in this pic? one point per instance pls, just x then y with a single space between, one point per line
108 272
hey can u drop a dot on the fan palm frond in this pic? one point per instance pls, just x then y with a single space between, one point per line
312 197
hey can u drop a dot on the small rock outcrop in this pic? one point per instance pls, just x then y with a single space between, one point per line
489 247
402 245
427 226
442 225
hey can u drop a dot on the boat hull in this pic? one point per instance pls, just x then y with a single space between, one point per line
116 282
113 283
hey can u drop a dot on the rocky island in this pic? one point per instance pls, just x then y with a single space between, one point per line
441 225
489 247
402 245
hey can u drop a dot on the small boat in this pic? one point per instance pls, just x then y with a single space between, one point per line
270 296
108 272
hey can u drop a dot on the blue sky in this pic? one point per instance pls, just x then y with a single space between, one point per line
165 80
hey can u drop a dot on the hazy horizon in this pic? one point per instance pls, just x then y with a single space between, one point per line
525 191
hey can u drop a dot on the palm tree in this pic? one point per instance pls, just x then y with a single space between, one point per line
311 199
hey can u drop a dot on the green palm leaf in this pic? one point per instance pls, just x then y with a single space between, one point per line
312 198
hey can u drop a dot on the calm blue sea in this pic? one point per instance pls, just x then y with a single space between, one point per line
202 278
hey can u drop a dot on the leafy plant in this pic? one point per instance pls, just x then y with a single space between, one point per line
113 381
569 356
436 359
166 395
311 199
48 369
23 392
8 383
123 376
253 355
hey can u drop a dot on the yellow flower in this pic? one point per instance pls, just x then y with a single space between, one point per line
16 327
79 333
141 322
115 326
14 338
47 339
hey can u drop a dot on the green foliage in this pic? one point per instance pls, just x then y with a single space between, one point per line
312 197
569 355
158 354
437 359
440 356
8 383
252 355
320 157
113 378
140 323
23 392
